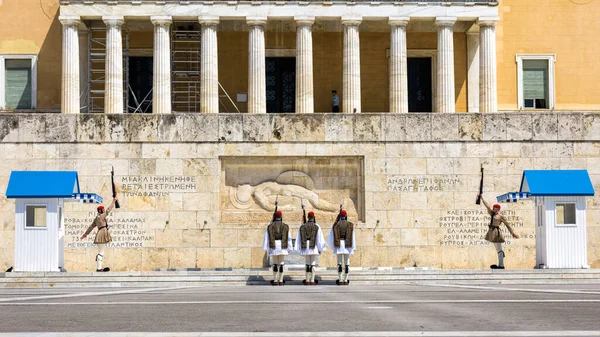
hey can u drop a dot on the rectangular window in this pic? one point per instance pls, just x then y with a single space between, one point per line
535 84
35 216
565 214
18 82
535 81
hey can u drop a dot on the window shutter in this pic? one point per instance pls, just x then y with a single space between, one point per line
18 83
535 80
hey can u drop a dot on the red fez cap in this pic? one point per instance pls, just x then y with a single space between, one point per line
311 213
343 212
278 213
100 209
496 205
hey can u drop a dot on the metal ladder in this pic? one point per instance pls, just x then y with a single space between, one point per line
97 71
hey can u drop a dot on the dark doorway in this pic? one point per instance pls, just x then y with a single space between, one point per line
140 80
419 84
281 84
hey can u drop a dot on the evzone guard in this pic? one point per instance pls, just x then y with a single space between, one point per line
102 236
310 243
342 242
494 234
277 242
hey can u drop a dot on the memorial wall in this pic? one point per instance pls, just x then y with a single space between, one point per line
197 191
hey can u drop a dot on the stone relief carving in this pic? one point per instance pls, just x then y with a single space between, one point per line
250 185
263 194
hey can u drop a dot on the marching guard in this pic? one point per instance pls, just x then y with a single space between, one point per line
494 234
342 242
310 243
102 236
277 242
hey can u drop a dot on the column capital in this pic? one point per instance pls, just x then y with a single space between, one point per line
351 20
445 21
208 20
68 20
256 20
484 21
304 20
398 20
113 20
161 20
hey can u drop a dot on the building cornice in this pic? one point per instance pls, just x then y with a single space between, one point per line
236 10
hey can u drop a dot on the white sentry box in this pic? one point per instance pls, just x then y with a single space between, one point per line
39 216
559 197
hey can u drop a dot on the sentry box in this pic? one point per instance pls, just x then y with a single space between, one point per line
39 218
560 200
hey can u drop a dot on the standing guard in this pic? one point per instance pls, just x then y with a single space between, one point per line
494 234
310 242
102 236
343 243
276 242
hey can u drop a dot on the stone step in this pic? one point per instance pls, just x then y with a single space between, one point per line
262 276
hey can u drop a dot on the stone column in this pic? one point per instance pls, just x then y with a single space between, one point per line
473 70
304 65
69 102
113 88
209 66
351 74
445 71
488 95
161 65
84 59
398 72
257 86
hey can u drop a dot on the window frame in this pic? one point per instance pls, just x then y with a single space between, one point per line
551 59
556 213
33 59
37 228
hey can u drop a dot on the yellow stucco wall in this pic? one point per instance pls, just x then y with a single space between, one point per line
32 27
566 28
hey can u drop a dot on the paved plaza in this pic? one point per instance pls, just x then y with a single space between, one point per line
426 309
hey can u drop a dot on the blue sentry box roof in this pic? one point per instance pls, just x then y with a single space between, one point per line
557 183
42 184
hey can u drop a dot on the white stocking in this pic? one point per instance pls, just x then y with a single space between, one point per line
100 256
340 261
498 246
346 266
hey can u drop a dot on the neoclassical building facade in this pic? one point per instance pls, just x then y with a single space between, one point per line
281 77
210 111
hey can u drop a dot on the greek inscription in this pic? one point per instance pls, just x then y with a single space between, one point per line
156 186
126 231
428 183
469 227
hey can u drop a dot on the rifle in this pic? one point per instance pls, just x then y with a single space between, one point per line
339 215
303 211
114 188
275 211
478 201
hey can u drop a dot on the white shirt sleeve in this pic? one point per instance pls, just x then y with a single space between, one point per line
290 247
297 245
354 238
265 245
330 239
320 244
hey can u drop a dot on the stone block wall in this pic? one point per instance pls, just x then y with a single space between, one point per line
411 179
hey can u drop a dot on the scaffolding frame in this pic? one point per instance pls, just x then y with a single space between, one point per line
185 66
97 69
185 72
